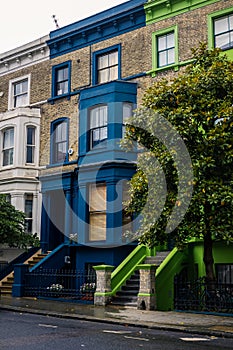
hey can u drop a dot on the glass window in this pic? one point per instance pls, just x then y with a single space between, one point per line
28 206
98 125
60 138
127 113
107 67
8 146
223 32
62 81
20 93
30 147
97 212
166 49
8 197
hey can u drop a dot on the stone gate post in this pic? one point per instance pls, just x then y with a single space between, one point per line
102 294
146 295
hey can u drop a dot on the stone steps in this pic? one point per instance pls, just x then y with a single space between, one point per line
7 282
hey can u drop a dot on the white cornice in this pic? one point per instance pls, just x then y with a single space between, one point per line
26 55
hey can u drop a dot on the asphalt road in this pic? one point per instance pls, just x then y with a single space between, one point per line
19 331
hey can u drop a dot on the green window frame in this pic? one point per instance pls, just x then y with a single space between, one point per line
226 16
163 46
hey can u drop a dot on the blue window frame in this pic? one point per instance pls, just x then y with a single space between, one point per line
59 140
61 79
107 65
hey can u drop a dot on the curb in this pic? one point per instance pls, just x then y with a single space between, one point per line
163 327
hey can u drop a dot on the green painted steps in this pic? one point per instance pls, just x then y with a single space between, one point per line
127 295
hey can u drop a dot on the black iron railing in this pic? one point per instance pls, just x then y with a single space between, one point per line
202 296
64 284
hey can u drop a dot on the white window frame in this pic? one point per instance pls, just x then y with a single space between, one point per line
12 83
32 146
7 148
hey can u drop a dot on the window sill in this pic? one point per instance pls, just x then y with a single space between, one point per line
67 96
55 98
174 67
54 165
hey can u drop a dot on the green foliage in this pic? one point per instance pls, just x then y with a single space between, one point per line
12 230
198 104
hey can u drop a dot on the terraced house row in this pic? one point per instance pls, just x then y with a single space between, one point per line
64 100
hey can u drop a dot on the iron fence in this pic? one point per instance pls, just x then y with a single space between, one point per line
63 284
201 296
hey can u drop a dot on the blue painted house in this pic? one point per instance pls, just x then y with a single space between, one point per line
83 214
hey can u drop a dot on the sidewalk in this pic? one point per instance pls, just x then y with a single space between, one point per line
208 324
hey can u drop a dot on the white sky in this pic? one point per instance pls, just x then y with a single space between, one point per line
22 21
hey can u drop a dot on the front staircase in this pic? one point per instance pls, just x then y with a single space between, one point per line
127 296
128 293
7 282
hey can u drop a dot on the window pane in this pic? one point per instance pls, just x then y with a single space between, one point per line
62 74
113 58
113 73
62 88
97 212
231 22
162 43
30 135
28 206
20 100
221 25
102 115
103 61
94 120
162 59
231 40
103 76
97 228
30 154
127 111
95 135
61 132
222 40
8 156
170 40
97 197
8 138
21 87
61 151
98 117
171 56
103 133
24 86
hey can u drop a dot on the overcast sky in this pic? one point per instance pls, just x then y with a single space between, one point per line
22 21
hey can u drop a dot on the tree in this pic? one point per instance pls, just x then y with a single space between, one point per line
12 227
198 104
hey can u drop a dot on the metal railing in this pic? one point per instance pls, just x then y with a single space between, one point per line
63 284
201 296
